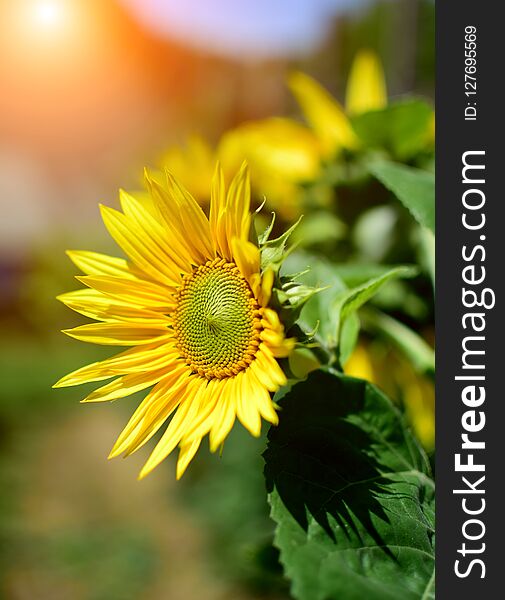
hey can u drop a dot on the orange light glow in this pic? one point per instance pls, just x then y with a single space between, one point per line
81 82
36 29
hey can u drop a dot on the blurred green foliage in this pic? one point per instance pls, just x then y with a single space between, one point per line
227 493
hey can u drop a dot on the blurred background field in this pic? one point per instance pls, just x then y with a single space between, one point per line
90 92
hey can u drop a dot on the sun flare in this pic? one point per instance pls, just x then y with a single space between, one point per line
49 13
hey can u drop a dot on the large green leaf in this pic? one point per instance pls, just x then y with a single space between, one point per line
402 128
413 187
351 493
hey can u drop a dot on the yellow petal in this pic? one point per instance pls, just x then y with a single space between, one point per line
266 380
139 247
186 411
366 86
271 319
94 263
164 244
260 397
95 305
186 454
217 210
224 416
274 339
247 411
203 422
125 386
153 411
136 359
265 290
246 256
281 154
238 205
268 364
282 349
118 334
275 342
323 113
195 223
136 291
170 216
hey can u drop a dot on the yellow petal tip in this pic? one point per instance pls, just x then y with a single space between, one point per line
143 474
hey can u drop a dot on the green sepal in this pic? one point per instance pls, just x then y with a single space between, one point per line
274 252
288 294
263 237
291 297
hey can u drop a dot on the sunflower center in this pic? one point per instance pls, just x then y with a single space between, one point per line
217 322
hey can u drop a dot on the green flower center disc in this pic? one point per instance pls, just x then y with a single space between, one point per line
217 322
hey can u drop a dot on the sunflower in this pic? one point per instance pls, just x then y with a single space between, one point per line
192 304
281 154
365 91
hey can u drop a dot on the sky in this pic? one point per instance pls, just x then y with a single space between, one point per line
245 28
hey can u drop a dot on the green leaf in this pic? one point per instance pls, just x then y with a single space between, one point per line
397 296
351 493
427 252
349 301
354 274
348 337
411 344
413 187
401 128
354 298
